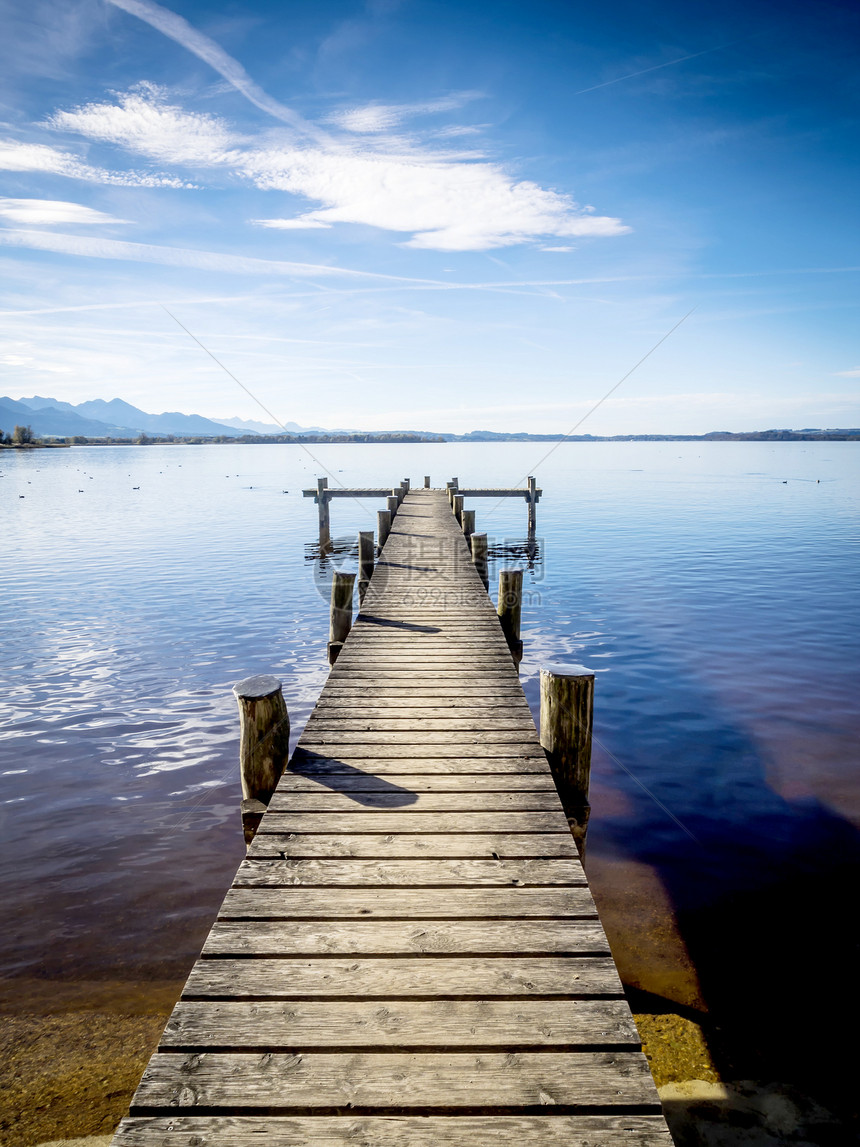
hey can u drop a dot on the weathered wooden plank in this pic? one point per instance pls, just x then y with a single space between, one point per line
381 646
481 627
416 904
311 738
453 707
403 846
336 1024
468 686
380 748
504 492
307 764
356 781
255 872
455 608
331 720
408 703
385 632
407 937
415 647
324 978
428 1080
467 670
488 655
466 666
468 673
398 821
442 645
396 796
387 1131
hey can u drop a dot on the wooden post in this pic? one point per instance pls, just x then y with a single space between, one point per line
323 509
366 555
383 527
342 586
532 506
479 557
452 487
468 523
407 482
393 503
426 481
264 745
404 488
458 508
566 724
509 610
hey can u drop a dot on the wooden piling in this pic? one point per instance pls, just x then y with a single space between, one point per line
452 487
468 523
532 504
383 527
509 610
323 509
366 557
407 482
393 503
264 745
426 481
566 725
479 557
342 586
458 508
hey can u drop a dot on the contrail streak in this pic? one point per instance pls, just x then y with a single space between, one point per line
177 28
655 68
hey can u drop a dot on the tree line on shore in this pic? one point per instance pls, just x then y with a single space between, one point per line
23 436
20 436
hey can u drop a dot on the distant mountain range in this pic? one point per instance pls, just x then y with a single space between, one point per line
250 426
52 418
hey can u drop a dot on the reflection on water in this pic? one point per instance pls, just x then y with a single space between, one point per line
709 586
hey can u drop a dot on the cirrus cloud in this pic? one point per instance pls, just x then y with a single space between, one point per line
46 211
441 202
16 155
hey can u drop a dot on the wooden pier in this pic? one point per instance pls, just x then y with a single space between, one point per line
322 495
410 955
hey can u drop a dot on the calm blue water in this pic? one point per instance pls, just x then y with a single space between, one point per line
710 586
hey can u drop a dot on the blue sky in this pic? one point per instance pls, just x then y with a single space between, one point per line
403 214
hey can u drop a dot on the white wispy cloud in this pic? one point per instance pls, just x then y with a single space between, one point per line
442 203
40 158
447 206
142 121
374 117
206 49
46 211
98 248
847 373
300 223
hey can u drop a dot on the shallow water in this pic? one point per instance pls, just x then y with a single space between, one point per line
709 585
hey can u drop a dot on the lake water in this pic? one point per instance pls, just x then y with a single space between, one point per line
711 587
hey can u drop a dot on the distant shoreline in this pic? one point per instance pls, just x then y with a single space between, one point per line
414 439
